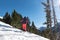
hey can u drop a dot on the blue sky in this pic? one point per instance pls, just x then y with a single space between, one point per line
31 8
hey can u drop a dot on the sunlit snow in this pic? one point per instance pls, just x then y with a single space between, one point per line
7 32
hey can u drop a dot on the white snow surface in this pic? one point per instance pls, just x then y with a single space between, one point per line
2 23
9 33
1 17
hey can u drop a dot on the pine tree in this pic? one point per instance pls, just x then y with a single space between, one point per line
48 14
16 18
48 20
28 24
7 18
16 15
33 27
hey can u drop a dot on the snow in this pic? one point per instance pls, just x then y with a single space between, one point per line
10 33
1 17
4 24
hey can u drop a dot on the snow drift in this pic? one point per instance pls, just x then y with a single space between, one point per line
7 32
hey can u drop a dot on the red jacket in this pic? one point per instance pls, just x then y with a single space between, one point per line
24 27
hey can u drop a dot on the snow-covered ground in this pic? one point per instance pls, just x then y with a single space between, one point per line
1 17
4 24
7 32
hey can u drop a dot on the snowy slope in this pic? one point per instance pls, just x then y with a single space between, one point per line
4 24
1 17
9 33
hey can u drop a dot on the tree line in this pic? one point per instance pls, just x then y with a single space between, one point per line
14 20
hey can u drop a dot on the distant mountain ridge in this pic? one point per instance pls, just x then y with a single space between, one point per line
57 28
42 28
53 28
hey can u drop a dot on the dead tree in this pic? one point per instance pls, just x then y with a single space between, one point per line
54 18
48 14
48 19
